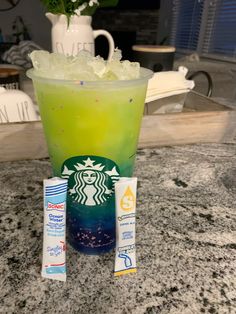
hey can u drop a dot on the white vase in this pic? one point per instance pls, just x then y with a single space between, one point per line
69 39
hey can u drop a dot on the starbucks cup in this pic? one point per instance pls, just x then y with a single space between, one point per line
92 131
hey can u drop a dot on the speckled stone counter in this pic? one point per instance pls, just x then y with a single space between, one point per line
186 240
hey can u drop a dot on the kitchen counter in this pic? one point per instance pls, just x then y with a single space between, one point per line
186 240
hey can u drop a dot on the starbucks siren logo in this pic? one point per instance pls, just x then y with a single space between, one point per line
91 179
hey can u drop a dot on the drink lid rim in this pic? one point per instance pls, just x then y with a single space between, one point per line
146 74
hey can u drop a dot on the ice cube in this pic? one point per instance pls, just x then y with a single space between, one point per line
124 70
117 55
116 69
58 60
132 69
98 65
40 59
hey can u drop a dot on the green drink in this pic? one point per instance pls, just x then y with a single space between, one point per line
92 131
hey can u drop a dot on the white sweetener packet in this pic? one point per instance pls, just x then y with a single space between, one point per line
125 194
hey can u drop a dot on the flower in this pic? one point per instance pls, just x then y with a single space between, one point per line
92 2
79 7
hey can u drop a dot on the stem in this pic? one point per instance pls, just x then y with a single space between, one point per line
63 7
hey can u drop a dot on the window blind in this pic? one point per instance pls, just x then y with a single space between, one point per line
220 32
205 26
186 23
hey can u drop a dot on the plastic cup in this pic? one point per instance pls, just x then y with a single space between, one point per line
92 131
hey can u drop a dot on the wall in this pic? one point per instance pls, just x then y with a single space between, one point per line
32 12
164 27
128 27
143 22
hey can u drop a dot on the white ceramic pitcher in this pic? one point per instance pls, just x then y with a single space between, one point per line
69 39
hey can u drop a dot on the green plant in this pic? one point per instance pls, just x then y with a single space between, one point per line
79 7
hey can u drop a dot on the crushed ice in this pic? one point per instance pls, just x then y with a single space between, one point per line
83 66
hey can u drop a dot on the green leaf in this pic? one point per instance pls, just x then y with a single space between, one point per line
108 3
68 7
89 10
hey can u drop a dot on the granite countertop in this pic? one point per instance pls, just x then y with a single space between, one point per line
186 240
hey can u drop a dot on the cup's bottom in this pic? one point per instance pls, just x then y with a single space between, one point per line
91 241
91 250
